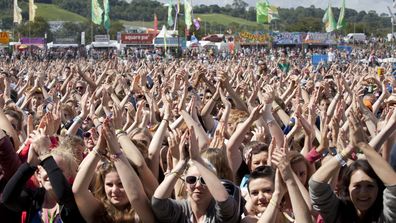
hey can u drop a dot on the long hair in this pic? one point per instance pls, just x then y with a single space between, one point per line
113 214
348 210
218 158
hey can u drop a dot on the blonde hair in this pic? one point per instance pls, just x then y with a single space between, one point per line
68 157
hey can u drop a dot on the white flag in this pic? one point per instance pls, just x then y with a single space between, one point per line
17 13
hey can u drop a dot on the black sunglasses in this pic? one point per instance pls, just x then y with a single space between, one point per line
86 134
194 179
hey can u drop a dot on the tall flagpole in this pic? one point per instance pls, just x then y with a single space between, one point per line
90 4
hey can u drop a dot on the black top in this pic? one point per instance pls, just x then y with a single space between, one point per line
19 198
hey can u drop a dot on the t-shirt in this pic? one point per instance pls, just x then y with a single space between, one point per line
169 210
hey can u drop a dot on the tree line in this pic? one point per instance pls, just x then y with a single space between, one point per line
300 19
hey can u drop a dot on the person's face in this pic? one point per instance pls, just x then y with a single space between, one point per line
300 168
36 101
363 190
89 139
42 175
261 190
80 88
259 159
324 104
114 190
197 192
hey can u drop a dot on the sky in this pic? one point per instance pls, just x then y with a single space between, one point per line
378 5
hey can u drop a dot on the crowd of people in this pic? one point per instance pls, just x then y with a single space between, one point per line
263 136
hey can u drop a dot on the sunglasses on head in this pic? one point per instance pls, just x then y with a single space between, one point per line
194 179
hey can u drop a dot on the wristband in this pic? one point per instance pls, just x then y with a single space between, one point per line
120 132
340 159
116 156
77 119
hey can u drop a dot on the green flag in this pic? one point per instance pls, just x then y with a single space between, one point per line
341 20
329 21
262 8
170 17
106 22
187 13
96 12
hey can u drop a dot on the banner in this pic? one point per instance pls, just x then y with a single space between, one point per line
102 38
254 37
317 58
320 39
137 38
170 42
32 41
4 38
287 38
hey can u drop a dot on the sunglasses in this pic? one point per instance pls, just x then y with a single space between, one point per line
194 179
86 134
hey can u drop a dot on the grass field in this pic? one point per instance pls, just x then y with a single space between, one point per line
209 18
223 19
52 12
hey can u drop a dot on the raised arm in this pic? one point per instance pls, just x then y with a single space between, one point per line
135 192
213 183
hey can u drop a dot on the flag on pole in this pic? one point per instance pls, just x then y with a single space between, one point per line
155 23
394 3
170 17
106 22
17 13
32 10
96 12
187 13
273 13
165 33
262 8
197 23
328 20
341 20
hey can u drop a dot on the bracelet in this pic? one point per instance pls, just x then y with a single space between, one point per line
97 153
77 119
119 132
340 159
116 156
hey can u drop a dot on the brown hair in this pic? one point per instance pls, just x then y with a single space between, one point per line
112 214
218 158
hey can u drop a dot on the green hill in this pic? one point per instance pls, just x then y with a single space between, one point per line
219 19
51 12
222 19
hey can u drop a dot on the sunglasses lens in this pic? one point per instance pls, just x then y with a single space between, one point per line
191 179
202 181
86 134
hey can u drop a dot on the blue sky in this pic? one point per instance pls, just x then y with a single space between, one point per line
377 5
